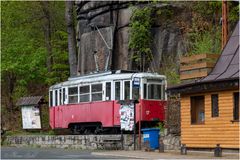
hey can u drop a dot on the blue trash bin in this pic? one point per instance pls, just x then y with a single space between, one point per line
151 135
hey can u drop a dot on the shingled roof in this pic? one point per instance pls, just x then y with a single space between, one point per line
225 73
28 101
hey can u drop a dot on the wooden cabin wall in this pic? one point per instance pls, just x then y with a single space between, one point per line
215 130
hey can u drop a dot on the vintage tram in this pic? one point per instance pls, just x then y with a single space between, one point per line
89 103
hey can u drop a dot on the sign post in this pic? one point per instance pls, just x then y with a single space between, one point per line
128 117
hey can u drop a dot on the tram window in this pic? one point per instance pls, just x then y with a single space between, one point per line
135 93
56 98
84 94
127 90
84 89
51 98
154 91
96 92
73 95
117 90
60 96
64 96
145 91
108 91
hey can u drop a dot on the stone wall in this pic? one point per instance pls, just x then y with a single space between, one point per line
90 142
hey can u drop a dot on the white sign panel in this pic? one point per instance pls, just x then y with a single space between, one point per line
31 117
127 117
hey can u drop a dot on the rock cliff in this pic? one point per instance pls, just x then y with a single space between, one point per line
103 29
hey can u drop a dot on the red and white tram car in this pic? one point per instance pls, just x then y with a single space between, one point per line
88 103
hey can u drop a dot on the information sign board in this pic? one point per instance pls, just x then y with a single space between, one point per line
31 117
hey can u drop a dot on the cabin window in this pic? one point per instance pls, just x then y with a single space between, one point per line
154 91
135 93
72 95
215 111
236 106
117 90
56 97
97 92
145 91
51 98
127 90
108 91
84 94
63 96
197 110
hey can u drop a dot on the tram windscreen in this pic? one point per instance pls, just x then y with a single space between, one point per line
154 91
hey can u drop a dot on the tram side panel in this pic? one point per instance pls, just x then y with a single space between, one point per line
52 117
116 114
152 110
102 112
62 116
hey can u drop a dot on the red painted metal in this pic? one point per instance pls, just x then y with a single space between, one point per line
106 112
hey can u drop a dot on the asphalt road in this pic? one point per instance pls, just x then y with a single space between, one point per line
50 153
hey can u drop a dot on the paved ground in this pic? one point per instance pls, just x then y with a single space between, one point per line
168 155
53 153
50 153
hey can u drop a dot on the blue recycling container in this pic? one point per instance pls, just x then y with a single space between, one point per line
151 135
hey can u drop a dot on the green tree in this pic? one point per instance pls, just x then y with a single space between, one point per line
140 36
25 54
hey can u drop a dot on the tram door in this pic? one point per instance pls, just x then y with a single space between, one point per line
58 110
117 95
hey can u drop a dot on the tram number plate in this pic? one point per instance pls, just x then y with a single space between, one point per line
136 82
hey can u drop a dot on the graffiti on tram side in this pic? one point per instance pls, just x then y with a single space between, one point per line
127 117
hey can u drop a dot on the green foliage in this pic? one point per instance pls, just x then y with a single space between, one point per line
204 35
24 53
206 44
140 35
160 125
166 13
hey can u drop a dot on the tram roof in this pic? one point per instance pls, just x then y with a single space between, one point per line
106 76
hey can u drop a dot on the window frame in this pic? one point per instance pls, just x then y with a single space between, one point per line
130 89
89 93
196 118
235 111
121 88
96 92
105 91
161 90
75 86
50 98
212 105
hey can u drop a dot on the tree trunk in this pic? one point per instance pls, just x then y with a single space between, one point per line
72 52
47 33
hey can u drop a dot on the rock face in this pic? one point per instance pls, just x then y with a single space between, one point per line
103 30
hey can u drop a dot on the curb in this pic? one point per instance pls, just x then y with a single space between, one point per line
116 155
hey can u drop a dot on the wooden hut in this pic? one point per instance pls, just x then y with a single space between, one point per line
210 105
